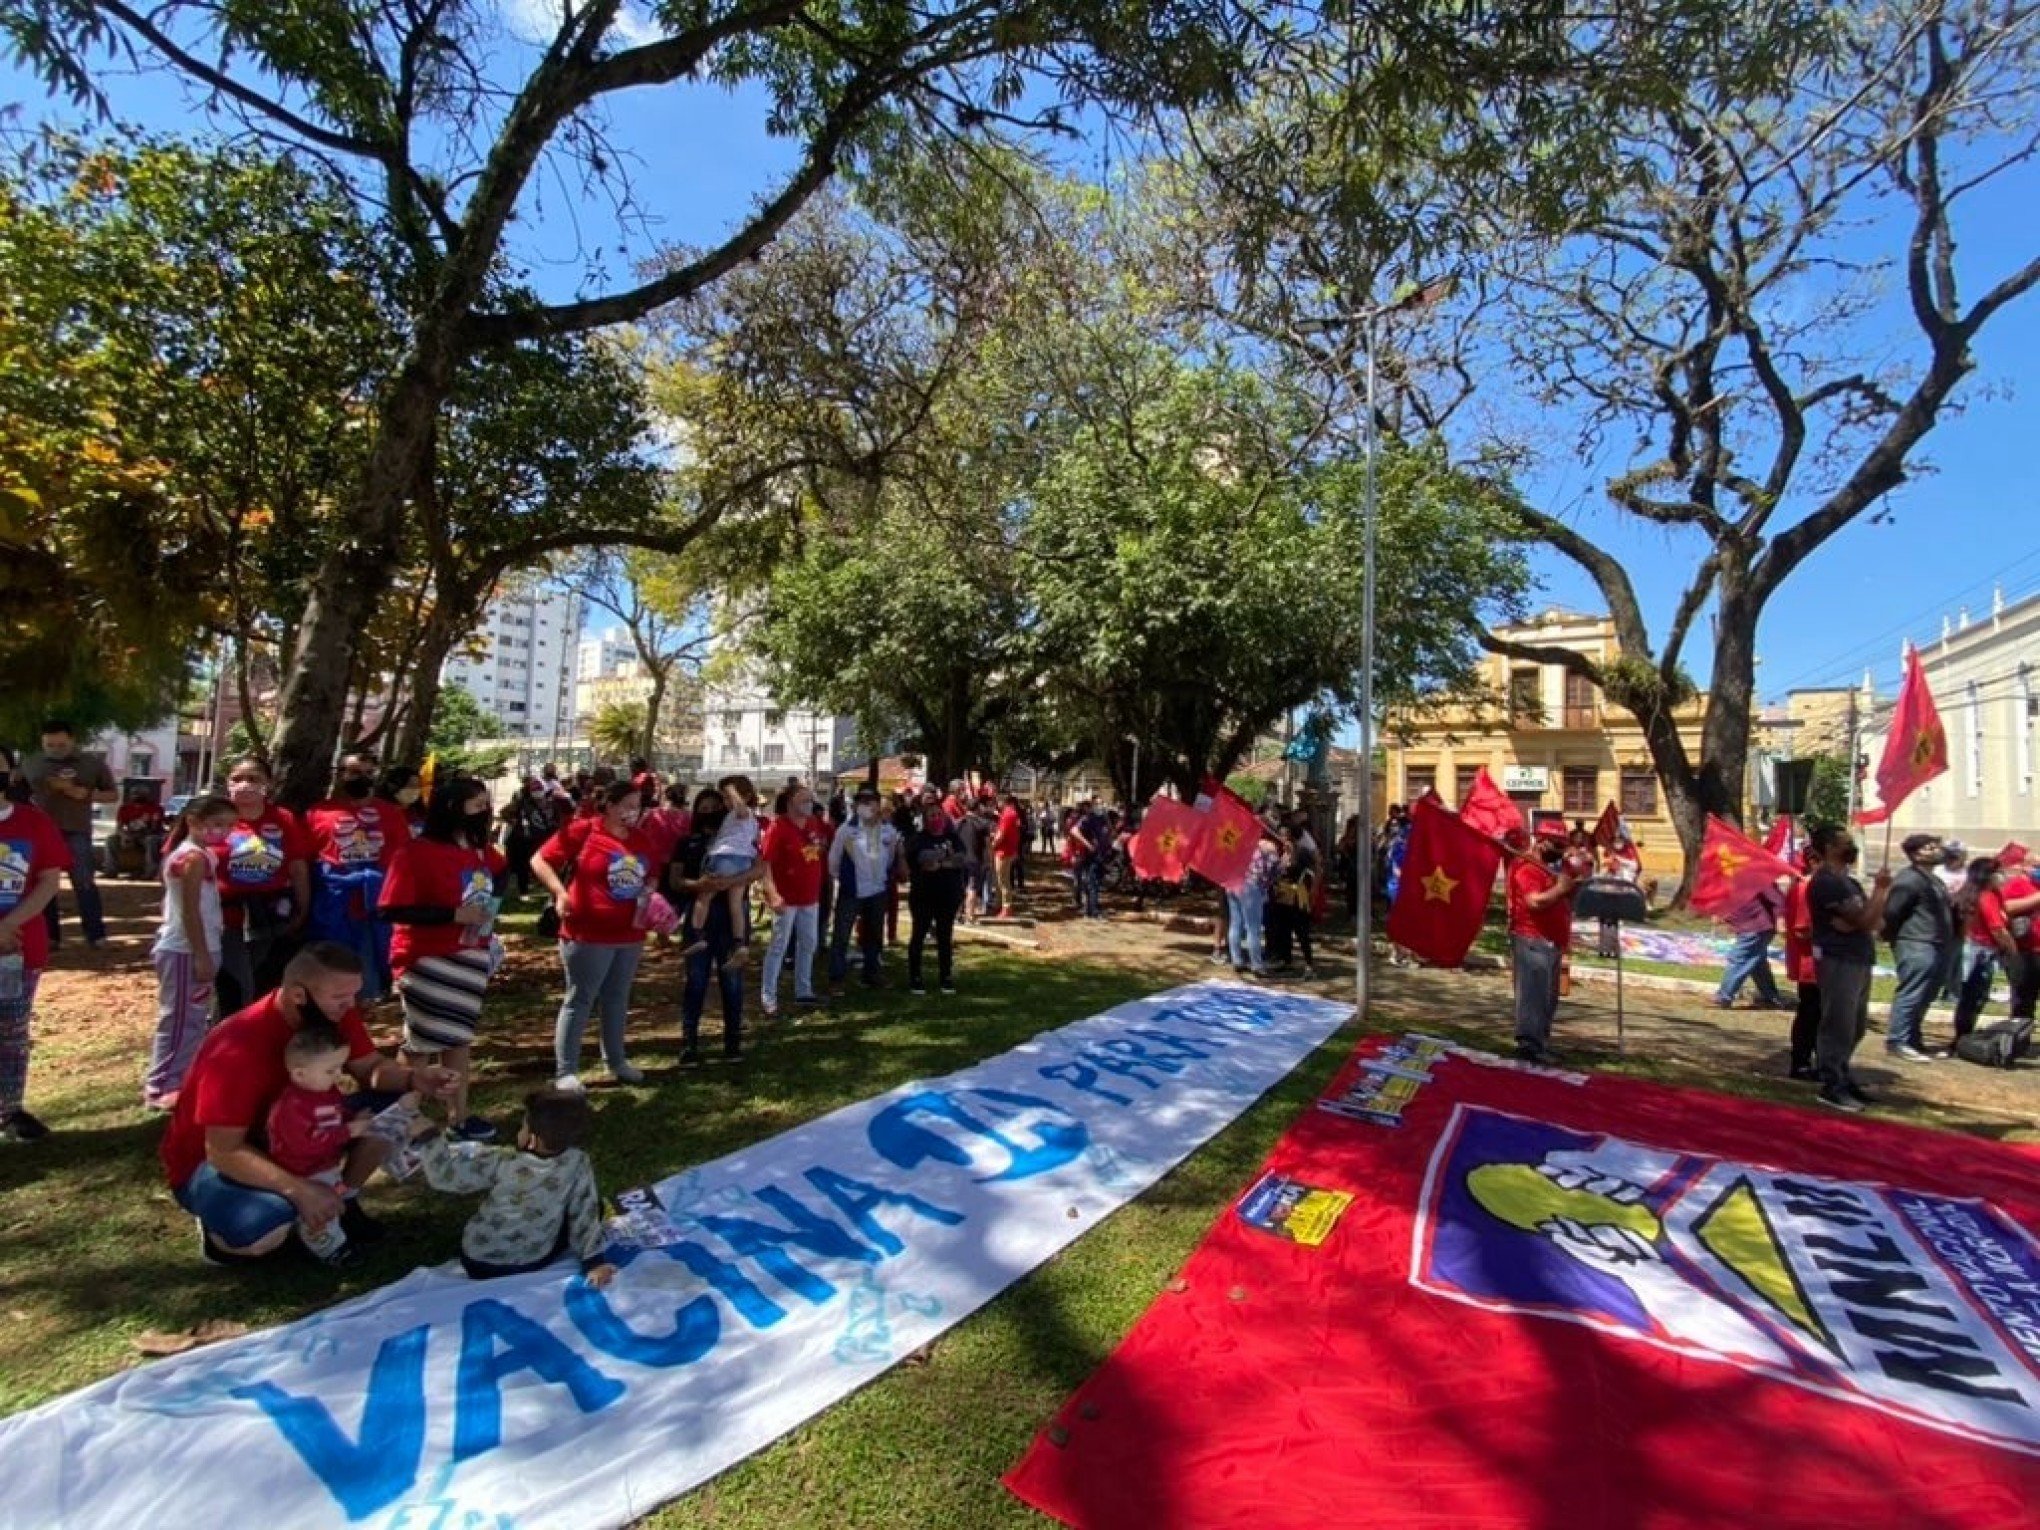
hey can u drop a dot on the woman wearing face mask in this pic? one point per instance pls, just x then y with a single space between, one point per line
720 950
403 785
864 866
598 871
795 846
265 884
935 865
354 836
440 902
1979 905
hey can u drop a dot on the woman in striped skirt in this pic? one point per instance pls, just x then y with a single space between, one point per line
439 898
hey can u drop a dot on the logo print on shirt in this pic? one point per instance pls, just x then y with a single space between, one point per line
255 858
626 877
13 871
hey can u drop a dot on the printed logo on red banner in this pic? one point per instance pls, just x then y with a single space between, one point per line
1920 1306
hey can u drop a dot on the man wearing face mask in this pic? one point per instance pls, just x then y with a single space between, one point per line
1540 931
864 860
214 1154
1844 923
65 784
354 836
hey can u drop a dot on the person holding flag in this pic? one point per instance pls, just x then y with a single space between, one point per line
1540 932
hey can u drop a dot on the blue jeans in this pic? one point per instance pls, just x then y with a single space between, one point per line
236 1215
597 977
729 978
1090 879
1920 970
1749 960
796 927
1980 966
1243 935
90 912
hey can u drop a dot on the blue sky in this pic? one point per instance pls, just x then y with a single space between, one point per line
699 157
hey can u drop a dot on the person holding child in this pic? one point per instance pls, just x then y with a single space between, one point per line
732 853
598 871
309 1129
215 1154
541 1196
440 899
187 949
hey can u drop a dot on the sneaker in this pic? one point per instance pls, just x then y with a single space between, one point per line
626 1073
161 1102
570 1083
1909 1054
734 1054
360 1227
1528 1051
474 1129
769 1011
345 1257
1834 1099
1804 1072
809 1001
1219 958
690 1056
917 988
218 1257
23 1127
1857 1093
1718 1002
949 988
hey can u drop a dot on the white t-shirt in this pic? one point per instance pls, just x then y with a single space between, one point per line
173 936
738 836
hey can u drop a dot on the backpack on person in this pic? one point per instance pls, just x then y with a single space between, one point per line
1997 1045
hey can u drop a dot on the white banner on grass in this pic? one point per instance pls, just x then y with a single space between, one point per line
801 1268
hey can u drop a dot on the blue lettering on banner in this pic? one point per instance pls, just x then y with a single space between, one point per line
897 1137
765 1244
478 1408
857 1200
696 1327
753 1305
1083 1078
373 1471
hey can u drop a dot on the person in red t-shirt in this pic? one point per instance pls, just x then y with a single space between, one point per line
33 861
214 1151
2022 908
140 823
795 851
265 884
1006 850
352 837
1540 932
309 1130
1801 970
664 827
1980 904
606 861
440 903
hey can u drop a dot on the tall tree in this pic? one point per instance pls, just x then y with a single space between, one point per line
1724 315
406 99
658 600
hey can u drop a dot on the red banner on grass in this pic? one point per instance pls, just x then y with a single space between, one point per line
1472 1293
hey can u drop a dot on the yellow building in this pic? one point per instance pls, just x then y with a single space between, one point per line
1547 737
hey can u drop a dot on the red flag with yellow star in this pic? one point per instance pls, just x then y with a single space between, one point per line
1168 834
1448 872
1733 869
1224 851
1916 748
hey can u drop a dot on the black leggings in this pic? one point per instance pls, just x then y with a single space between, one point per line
937 916
1805 1026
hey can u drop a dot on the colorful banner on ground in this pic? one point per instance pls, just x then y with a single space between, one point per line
753 1292
1555 1299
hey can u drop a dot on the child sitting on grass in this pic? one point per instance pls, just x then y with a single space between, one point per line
309 1128
732 853
541 1193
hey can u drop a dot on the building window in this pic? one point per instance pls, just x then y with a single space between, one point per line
1526 697
1417 780
733 720
775 720
1462 783
1579 701
1975 783
1581 784
775 754
1639 794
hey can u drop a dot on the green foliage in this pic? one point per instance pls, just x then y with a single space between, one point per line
1827 799
458 722
618 731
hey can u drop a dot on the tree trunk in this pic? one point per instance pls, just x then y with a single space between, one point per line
354 575
655 703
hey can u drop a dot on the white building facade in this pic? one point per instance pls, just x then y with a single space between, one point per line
746 730
522 667
1985 679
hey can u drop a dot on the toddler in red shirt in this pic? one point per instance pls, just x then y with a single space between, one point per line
309 1127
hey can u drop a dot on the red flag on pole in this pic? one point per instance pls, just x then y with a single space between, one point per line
1448 871
1224 848
1916 748
1783 838
1487 808
1733 869
1168 836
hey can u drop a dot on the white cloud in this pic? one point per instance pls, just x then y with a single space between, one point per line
538 21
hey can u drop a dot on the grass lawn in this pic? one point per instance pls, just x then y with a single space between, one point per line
93 1252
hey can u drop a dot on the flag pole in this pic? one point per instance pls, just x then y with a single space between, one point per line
1363 937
